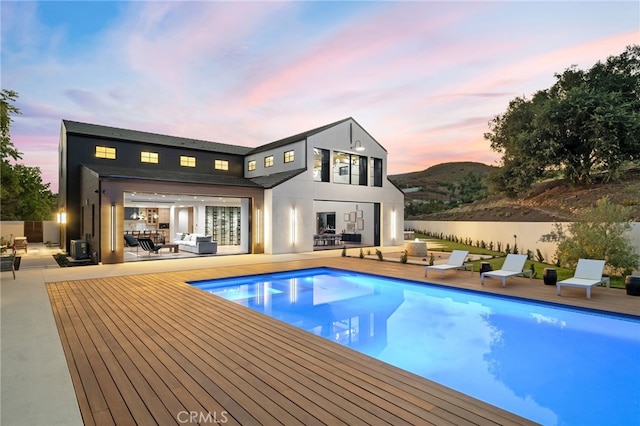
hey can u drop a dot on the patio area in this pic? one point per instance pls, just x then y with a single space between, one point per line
138 345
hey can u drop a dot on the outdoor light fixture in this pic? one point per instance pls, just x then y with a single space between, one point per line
293 225
257 226
113 228
61 217
357 145
393 224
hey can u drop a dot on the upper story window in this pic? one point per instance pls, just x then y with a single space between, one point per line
321 164
376 172
221 165
268 161
349 168
105 152
149 157
251 165
187 161
288 156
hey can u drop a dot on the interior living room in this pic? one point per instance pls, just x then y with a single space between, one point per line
172 221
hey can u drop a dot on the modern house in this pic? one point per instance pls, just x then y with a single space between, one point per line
324 186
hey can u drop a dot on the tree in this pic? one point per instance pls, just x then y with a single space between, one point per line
23 195
7 150
598 234
587 123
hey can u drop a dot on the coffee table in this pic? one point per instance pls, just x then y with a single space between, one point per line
172 246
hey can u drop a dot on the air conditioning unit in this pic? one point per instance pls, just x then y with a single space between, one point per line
79 249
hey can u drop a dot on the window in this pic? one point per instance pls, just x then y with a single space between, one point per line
187 161
321 163
106 152
288 157
149 157
251 165
221 165
376 171
349 168
268 161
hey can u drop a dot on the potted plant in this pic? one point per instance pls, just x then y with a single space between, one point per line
632 284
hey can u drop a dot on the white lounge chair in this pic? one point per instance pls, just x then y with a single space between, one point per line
455 261
513 266
588 274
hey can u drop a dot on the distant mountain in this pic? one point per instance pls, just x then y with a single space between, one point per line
549 201
431 183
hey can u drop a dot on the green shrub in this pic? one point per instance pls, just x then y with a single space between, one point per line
379 254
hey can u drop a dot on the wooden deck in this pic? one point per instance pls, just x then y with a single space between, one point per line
150 349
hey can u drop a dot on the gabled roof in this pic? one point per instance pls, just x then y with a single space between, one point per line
276 179
296 138
78 128
170 176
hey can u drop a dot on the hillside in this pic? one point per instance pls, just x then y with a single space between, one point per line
546 202
431 183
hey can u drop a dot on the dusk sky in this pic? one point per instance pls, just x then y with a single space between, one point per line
423 78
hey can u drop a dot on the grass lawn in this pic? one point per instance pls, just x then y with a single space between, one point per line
498 259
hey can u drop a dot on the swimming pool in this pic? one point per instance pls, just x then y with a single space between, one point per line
545 362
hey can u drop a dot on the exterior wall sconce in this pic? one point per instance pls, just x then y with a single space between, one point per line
393 224
113 228
61 217
293 226
357 145
257 226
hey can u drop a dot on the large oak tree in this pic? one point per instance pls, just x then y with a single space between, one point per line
586 124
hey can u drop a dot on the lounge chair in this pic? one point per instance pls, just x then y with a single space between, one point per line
455 261
131 241
7 264
513 266
588 274
148 245
19 243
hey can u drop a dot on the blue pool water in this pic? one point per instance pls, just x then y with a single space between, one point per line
551 364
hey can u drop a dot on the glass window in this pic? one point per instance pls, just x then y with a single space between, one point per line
251 165
341 169
321 164
288 157
221 165
187 161
106 152
268 161
149 157
376 171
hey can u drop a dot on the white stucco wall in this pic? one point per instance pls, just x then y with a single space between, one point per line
528 233
306 197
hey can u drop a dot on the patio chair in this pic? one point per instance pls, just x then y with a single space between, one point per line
19 243
148 245
512 267
131 241
455 261
7 264
588 274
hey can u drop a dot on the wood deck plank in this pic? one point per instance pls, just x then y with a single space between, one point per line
152 343
216 346
122 389
135 355
293 377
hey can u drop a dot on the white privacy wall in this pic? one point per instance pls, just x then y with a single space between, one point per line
528 234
